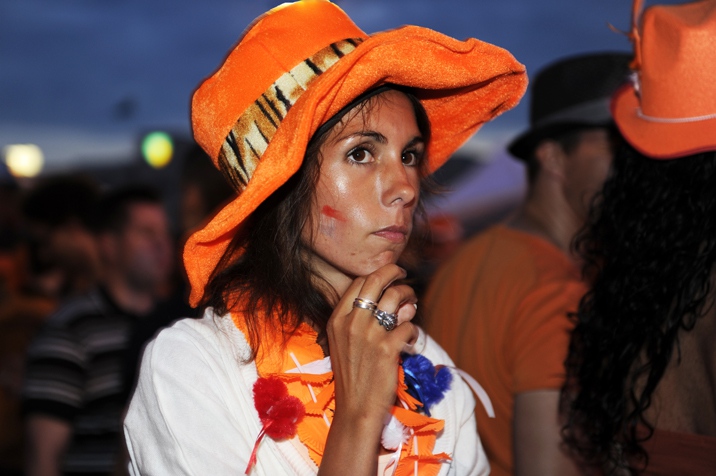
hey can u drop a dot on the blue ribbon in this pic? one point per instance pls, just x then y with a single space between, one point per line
414 384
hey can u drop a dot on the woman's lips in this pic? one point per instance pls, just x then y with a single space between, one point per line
394 234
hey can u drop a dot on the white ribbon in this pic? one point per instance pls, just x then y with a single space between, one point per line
673 120
479 391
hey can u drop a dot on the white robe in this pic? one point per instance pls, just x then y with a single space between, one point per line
193 412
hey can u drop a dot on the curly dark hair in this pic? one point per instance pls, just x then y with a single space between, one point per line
264 267
649 249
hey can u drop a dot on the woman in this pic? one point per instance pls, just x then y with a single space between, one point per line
641 395
306 360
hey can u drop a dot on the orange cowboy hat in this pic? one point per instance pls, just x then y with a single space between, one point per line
670 109
301 63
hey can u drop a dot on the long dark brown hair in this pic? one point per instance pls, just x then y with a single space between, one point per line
264 274
650 248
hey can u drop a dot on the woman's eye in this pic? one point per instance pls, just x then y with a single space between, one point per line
359 155
410 158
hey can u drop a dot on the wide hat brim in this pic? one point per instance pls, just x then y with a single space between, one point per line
569 94
660 139
461 84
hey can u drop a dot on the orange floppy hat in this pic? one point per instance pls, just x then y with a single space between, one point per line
670 109
301 63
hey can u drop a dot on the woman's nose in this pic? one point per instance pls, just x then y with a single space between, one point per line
400 184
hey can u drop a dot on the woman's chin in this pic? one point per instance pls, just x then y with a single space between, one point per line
385 258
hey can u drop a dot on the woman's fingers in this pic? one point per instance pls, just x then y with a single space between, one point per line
417 342
368 296
399 300
378 281
395 307
369 288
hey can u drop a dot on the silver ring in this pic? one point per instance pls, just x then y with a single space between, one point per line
387 320
365 304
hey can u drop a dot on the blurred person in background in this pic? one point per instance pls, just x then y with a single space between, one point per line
11 255
641 384
59 215
74 393
203 191
22 312
499 306
20 320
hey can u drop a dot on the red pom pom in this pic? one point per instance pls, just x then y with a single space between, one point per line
279 412
285 416
267 391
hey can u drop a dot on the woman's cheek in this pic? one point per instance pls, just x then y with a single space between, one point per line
330 221
332 213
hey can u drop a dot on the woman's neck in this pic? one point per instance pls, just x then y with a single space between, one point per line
330 281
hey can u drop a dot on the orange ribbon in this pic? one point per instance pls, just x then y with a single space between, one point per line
317 392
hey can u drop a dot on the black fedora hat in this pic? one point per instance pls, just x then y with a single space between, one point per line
571 93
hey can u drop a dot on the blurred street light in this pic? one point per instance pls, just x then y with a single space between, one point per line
24 160
157 149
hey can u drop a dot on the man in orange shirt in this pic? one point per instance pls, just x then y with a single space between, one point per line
500 305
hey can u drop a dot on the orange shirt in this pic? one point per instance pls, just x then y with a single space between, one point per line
685 454
499 308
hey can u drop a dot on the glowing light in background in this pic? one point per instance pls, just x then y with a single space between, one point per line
157 149
24 160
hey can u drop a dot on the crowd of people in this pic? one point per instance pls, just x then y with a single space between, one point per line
89 273
574 338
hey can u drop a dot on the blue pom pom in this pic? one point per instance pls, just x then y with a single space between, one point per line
424 383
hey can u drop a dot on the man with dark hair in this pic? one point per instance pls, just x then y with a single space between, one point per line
74 391
500 305
203 190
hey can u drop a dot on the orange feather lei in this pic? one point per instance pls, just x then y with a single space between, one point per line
316 391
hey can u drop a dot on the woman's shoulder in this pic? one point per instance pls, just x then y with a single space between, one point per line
464 387
210 335
208 354
427 346
459 436
439 358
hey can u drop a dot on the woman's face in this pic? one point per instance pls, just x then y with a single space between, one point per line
367 191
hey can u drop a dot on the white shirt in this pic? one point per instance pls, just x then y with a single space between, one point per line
193 412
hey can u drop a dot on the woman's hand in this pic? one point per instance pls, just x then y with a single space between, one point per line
365 359
364 355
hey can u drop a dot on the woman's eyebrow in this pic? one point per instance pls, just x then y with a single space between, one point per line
376 136
415 141
380 138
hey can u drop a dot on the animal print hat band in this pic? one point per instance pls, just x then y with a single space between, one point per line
298 65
